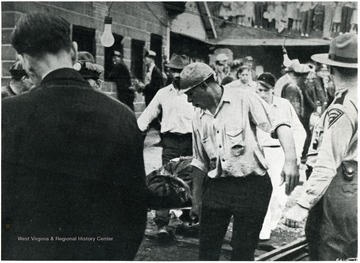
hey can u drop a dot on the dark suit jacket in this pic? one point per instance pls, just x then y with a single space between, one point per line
121 76
72 167
156 83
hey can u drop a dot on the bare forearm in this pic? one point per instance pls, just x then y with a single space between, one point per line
198 177
286 139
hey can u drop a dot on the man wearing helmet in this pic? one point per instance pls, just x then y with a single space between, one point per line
19 83
229 175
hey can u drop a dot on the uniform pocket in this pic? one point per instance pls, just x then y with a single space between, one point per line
236 143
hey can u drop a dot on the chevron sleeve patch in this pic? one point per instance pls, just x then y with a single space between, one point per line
334 115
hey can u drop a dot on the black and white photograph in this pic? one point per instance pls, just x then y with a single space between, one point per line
179 131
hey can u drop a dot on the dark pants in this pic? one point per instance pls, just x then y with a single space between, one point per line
247 200
174 145
306 123
346 13
306 21
259 12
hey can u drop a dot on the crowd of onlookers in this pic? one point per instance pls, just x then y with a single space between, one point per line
299 17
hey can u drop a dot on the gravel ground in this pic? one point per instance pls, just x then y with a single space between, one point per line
184 245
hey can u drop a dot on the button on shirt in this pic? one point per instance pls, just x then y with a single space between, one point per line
177 112
225 144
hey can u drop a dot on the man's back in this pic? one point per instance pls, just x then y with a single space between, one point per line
72 167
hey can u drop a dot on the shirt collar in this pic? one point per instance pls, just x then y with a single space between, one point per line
151 67
227 97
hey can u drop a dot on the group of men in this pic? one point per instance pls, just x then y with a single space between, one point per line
72 157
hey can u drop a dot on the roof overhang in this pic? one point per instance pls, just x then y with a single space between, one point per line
270 42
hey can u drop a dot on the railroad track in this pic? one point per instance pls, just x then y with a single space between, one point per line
294 251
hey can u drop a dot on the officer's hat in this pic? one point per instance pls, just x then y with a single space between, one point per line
150 54
117 53
342 52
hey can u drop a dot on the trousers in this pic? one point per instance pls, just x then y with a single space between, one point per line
246 199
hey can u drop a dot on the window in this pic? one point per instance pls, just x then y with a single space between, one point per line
137 58
85 38
156 46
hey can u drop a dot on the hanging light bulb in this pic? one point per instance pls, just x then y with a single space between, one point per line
107 39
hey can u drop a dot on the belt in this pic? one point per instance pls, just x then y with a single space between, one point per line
176 135
272 146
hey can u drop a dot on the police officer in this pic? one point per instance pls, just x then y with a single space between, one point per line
330 195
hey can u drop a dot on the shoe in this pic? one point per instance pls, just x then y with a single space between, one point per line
306 35
255 26
302 34
163 233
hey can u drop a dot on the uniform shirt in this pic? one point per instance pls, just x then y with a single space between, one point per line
177 112
285 110
337 134
237 84
224 144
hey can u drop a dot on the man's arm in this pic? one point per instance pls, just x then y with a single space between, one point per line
151 112
266 120
290 172
335 142
198 177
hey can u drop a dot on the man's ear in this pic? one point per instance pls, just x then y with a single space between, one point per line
26 62
74 52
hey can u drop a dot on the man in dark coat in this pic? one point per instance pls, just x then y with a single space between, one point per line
121 76
153 79
73 179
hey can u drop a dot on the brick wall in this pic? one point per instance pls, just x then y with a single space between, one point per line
132 20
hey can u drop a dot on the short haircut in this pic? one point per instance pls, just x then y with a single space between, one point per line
241 69
36 34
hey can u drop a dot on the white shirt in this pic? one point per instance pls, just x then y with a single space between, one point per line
237 84
149 73
282 108
177 112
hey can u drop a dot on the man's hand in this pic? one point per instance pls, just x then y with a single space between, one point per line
195 210
295 216
290 175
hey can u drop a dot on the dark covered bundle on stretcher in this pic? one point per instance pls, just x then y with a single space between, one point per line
170 185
